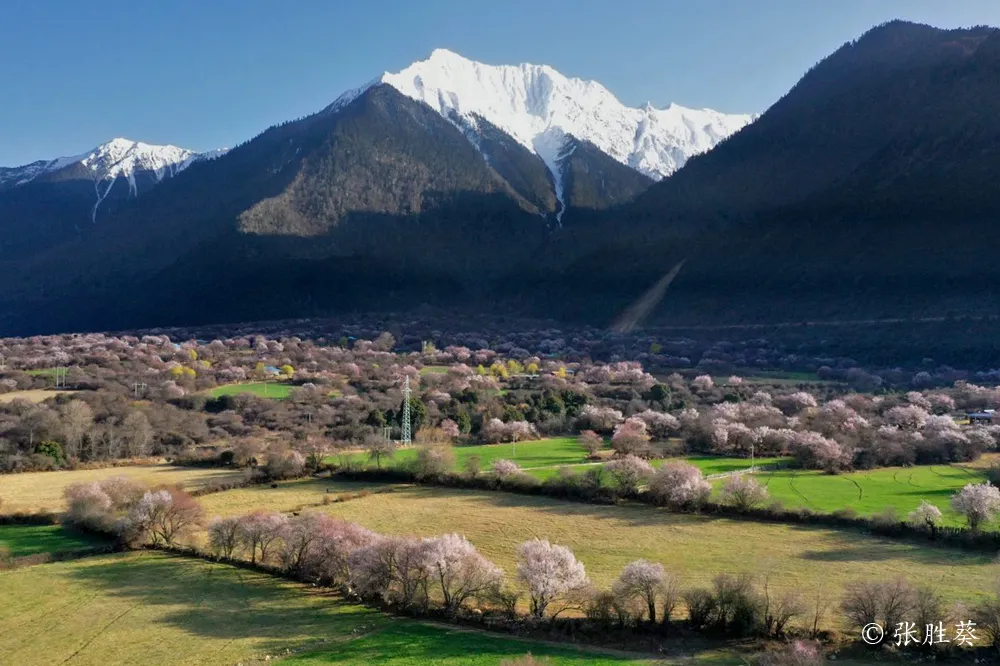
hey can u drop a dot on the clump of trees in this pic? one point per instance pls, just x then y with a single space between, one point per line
742 491
134 513
978 503
629 473
679 484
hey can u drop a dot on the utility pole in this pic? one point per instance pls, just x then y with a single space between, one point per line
406 435
3 360
136 387
60 375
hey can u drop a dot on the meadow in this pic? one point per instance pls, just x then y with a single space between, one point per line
276 390
151 608
43 491
548 452
870 492
21 540
541 458
285 496
697 547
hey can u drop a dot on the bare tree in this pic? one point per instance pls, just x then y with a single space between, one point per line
137 434
77 420
780 609
819 606
163 515
887 603
379 448
259 530
224 536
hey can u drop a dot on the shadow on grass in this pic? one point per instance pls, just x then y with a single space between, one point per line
25 540
407 643
227 603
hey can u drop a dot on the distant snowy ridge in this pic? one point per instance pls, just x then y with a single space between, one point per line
540 108
118 158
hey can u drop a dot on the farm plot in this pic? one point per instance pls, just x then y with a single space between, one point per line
605 538
869 492
150 608
276 390
31 395
544 457
43 491
709 465
286 496
547 452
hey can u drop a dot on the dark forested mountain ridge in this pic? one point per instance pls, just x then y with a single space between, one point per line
866 192
340 209
48 202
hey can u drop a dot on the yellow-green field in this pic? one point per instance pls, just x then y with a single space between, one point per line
287 497
43 491
33 395
605 538
150 608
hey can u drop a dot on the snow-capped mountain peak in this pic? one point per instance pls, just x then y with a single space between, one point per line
105 164
540 108
528 101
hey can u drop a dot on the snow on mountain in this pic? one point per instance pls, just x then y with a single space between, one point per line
539 108
118 158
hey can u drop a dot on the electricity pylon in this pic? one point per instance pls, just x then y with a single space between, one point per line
406 435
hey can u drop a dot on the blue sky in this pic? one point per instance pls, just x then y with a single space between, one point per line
209 74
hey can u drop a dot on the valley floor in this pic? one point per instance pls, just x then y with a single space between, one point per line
152 608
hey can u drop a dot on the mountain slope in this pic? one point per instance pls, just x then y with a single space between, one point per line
865 192
335 209
839 115
540 108
45 202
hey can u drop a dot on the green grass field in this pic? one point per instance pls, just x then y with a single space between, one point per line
433 370
42 372
543 458
606 538
540 453
23 540
276 390
870 492
707 464
150 608
412 644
